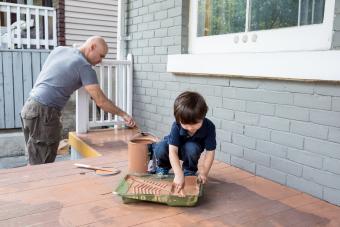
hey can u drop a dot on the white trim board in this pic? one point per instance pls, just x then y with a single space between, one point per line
308 65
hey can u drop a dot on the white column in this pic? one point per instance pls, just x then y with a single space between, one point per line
82 111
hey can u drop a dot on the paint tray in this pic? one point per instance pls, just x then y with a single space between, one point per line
155 188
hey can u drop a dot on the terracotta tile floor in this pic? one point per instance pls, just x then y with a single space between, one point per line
59 194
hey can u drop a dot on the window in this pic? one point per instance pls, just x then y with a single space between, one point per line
224 26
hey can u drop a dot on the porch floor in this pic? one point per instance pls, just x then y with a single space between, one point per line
59 194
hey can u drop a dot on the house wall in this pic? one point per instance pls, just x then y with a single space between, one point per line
85 18
286 131
336 27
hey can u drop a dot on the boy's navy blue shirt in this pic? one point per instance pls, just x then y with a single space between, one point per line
205 136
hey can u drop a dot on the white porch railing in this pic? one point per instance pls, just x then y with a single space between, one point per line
18 35
115 79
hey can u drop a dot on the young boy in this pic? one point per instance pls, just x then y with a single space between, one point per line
190 135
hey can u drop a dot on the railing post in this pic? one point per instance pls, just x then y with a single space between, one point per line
129 84
82 111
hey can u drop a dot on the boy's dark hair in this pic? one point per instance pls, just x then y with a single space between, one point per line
190 108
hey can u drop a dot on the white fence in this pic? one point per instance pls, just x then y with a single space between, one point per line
34 26
115 79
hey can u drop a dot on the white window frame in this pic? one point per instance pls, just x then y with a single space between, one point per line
274 55
273 40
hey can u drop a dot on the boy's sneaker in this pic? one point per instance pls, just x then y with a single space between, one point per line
162 171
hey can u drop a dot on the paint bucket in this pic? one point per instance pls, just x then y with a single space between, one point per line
138 152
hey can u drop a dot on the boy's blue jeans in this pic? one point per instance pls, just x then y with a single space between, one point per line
189 153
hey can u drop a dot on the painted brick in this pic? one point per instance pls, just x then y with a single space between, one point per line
264 96
257 157
322 177
336 103
155 117
158 84
177 11
244 83
151 92
325 117
147 2
219 81
247 118
146 83
166 111
272 174
213 101
312 101
232 149
243 164
305 158
174 49
234 104
175 30
292 112
150 107
229 92
163 32
332 165
168 4
287 86
326 89
288 139
161 15
167 23
139 91
334 134
321 147
305 186
260 108
156 7
159 67
168 41
232 126
222 156
271 148
223 135
309 129
274 123
286 166
223 113
243 141
143 10
332 195
257 132
217 122
148 51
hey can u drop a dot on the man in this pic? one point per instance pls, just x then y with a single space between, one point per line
65 70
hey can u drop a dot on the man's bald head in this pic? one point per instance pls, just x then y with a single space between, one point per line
94 49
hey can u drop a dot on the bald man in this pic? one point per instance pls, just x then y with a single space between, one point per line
65 70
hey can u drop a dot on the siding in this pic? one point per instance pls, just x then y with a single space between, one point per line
85 18
286 131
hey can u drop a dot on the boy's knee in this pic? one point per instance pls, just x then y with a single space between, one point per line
192 149
161 148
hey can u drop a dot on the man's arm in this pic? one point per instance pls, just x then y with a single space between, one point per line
208 161
176 166
104 103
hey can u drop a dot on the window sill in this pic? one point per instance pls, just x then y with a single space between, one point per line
308 65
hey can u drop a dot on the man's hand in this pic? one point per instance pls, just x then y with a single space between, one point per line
129 120
178 183
202 178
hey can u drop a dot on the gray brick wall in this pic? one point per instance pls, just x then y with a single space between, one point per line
286 131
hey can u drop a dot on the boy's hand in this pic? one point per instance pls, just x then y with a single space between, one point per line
202 178
178 183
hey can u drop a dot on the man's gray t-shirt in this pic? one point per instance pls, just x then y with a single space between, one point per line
65 70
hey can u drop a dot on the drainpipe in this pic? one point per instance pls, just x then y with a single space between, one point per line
121 33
